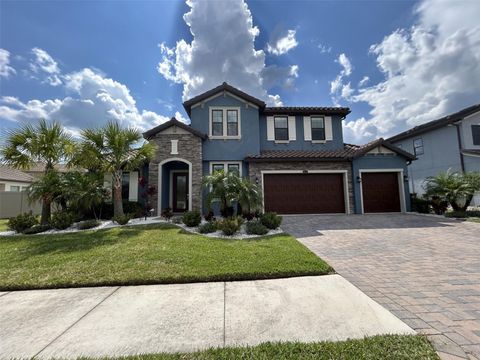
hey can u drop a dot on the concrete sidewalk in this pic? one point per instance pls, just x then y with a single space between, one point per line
114 321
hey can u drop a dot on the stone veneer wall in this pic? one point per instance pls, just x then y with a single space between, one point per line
255 169
190 149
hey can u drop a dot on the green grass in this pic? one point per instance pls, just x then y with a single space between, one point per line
150 254
3 225
474 219
386 347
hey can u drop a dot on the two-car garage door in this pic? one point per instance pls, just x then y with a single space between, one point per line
312 193
324 193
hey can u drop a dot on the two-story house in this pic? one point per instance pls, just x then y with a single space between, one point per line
452 142
295 154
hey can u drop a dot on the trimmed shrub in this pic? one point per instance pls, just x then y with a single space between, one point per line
248 216
133 208
37 229
271 220
88 224
456 214
61 220
22 222
167 214
207 228
191 218
256 228
420 205
473 213
229 226
121 219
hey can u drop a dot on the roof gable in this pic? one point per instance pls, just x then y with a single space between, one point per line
221 89
172 122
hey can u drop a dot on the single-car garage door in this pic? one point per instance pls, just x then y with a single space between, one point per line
304 193
380 192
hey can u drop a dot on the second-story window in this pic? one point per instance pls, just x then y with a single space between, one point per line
418 146
217 122
318 127
476 134
281 127
232 122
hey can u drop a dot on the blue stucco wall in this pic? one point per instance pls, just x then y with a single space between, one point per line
378 162
441 153
231 149
300 143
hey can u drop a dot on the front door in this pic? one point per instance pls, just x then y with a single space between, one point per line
180 192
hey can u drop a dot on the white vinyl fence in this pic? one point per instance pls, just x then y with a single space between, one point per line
15 203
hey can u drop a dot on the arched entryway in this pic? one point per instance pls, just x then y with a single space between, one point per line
175 185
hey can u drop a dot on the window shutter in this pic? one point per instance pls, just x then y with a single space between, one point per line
292 129
133 186
270 129
307 128
328 128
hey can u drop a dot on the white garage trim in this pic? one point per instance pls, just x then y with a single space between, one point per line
401 188
345 182
159 190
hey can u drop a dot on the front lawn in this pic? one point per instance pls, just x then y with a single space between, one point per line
150 254
386 347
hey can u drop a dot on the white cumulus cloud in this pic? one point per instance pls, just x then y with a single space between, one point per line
45 65
430 69
338 89
91 99
280 43
5 69
216 54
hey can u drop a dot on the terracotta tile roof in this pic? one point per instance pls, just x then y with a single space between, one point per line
348 153
307 110
40 168
10 174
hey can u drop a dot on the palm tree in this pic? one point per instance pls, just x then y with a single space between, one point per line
249 196
223 189
110 150
48 189
46 143
450 186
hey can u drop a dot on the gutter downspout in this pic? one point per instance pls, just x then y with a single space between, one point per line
459 139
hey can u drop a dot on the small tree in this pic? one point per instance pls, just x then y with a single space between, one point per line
45 143
110 150
228 188
48 189
457 189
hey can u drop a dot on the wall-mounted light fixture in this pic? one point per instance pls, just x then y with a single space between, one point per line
256 180
405 178
359 179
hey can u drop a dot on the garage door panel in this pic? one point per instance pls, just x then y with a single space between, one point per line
304 193
380 192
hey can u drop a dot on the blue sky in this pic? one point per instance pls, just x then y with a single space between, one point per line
83 63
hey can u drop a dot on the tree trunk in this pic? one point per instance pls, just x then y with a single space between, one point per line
46 211
468 200
117 193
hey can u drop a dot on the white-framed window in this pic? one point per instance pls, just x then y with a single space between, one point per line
226 166
281 128
318 128
476 134
418 146
225 123
14 188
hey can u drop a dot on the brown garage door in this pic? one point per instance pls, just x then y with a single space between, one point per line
304 193
380 192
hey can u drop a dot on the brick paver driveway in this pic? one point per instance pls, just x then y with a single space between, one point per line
426 270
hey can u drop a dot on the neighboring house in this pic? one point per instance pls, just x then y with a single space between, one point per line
14 180
295 154
452 142
38 169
